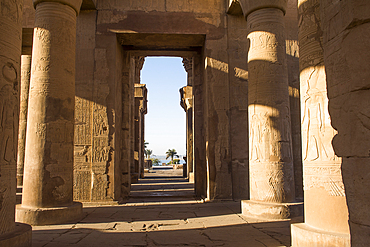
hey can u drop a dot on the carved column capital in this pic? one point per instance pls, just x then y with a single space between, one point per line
252 5
139 63
188 63
75 4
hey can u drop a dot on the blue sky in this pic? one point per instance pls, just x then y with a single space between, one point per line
165 121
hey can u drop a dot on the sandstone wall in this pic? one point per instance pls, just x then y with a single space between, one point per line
346 30
98 112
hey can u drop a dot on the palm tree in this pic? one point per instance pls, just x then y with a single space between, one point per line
171 153
156 161
148 152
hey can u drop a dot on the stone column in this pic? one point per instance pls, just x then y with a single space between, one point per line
25 86
140 111
199 144
11 233
188 104
270 145
326 214
48 171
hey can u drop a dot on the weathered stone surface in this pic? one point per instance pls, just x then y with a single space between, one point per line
346 31
48 168
186 96
11 233
113 37
326 214
25 86
270 156
141 93
238 99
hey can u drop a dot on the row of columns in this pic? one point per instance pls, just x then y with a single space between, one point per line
270 157
46 148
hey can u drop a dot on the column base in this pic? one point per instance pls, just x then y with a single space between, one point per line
191 177
304 235
48 216
20 237
271 211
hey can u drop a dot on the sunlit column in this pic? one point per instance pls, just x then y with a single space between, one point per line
48 171
140 111
326 214
188 107
25 86
272 192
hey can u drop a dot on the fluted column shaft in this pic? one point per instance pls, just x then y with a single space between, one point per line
48 170
25 86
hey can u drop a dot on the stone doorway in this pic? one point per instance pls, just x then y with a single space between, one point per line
104 164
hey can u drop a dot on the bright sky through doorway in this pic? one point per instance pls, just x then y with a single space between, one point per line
165 121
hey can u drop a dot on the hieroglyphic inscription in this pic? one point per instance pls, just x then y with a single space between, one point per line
268 142
101 150
82 121
82 154
100 121
327 176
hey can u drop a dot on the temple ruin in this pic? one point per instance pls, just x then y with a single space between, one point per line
276 102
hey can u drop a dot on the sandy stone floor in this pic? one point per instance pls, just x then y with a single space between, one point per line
162 211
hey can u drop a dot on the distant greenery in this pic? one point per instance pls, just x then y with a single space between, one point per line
156 161
170 154
148 153
176 161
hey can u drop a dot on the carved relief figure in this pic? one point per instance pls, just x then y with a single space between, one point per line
255 137
317 138
9 113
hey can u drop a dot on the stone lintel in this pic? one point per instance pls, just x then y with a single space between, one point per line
305 235
75 4
248 6
271 211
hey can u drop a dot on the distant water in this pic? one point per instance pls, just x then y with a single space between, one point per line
162 159
167 161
